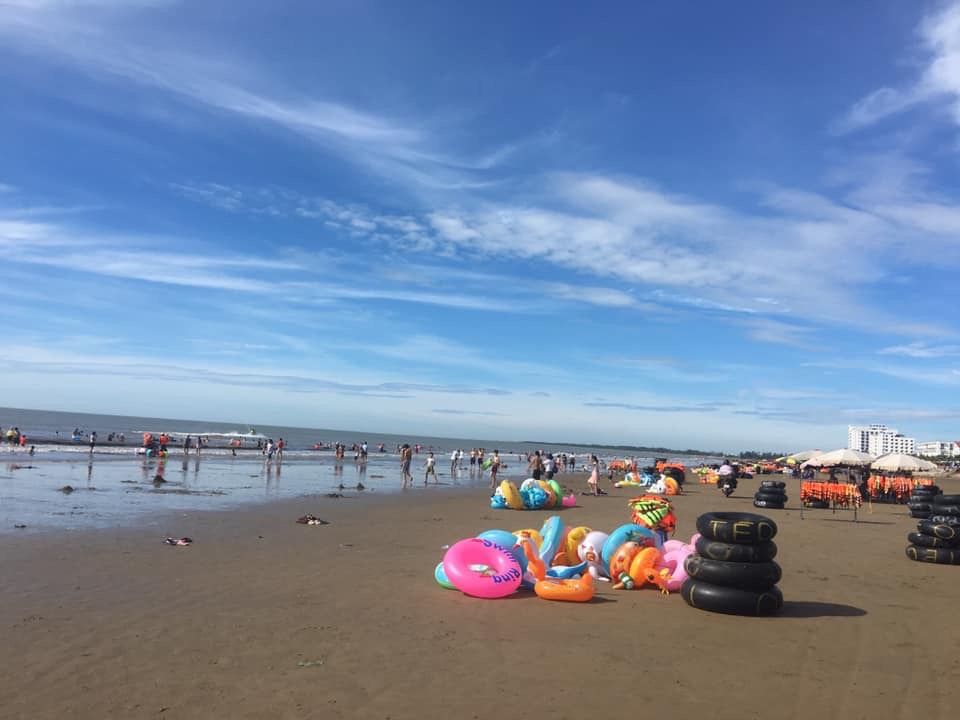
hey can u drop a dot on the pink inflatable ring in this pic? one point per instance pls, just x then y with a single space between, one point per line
482 568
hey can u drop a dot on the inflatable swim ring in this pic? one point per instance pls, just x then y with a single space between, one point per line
441 577
621 559
512 495
534 535
551 533
630 532
552 497
578 590
575 536
509 541
557 490
482 569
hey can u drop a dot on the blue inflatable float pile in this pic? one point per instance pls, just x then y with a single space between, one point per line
531 495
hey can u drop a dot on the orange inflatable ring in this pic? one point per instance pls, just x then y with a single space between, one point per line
578 590
673 487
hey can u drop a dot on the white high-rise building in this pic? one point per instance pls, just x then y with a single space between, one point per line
879 440
939 448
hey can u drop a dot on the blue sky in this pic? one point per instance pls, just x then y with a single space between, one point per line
708 225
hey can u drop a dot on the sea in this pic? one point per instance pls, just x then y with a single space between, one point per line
56 483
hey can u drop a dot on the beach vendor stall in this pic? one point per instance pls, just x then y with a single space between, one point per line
833 493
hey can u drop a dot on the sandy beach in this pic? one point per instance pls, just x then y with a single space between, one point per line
263 617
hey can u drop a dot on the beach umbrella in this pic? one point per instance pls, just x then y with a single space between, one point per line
801 456
901 462
843 456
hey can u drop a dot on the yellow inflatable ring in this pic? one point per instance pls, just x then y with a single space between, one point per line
534 536
511 495
574 538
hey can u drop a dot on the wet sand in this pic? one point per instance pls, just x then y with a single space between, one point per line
263 617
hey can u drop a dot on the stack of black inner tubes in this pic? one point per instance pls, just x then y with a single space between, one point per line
937 539
772 495
733 569
921 500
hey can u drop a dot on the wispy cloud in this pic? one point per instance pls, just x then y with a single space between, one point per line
34 359
693 408
776 332
93 37
944 376
446 411
939 36
921 350
664 251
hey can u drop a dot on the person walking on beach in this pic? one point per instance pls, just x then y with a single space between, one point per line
594 480
199 443
93 440
430 470
549 466
186 445
494 469
280 449
406 456
535 466
453 463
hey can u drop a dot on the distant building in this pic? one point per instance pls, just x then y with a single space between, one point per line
939 448
879 440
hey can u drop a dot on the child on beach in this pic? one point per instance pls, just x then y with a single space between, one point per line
594 479
494 469
431 469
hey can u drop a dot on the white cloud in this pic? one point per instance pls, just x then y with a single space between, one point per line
921 350
110 41
939 35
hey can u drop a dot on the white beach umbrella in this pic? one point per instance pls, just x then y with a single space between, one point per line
901 462
843 456
801 456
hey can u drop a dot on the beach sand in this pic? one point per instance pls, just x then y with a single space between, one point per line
265 618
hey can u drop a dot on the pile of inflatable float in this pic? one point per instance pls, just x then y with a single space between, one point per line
531 495
563 563
937 539
654 482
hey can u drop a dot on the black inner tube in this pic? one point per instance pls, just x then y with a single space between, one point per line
930 541
734 601
942 531
743 575
940 556
730 552
736 527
